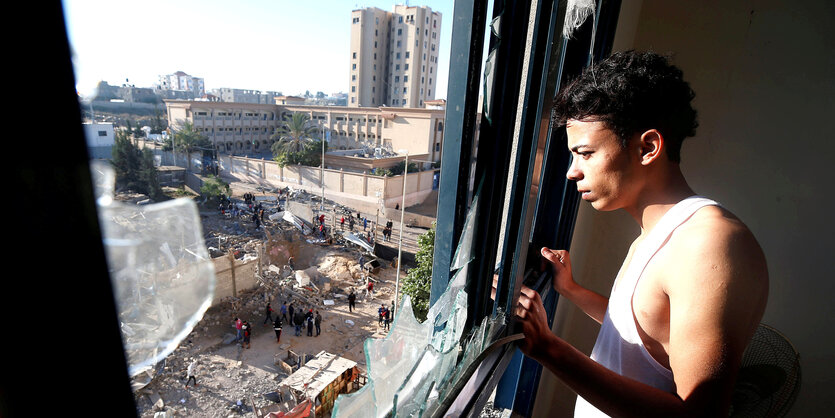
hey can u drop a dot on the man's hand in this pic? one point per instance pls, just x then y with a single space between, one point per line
530 315
560 261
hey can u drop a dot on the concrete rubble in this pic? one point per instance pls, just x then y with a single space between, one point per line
236 381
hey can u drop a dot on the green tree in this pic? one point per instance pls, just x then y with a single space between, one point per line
398 168
135 169
126 160
295 143
380 171
186 140
213 187
418 281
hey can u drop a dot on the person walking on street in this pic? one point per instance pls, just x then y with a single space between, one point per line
277 329
309 318
386 318
369 291
362 262
317 321
247 328
290 311
283 311
190 372
381 311
298 321
342 223
352 300
269 317
238 328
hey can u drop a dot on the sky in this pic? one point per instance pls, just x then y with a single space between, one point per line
289 46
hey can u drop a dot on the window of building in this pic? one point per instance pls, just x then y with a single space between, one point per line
440 126
353 99
405 78
400 19
353 89
430 70
430 81
375 54
375 45
356 20
353 77
373 78
397 55
438 147
399 32
407 54
406 67
355 55
404 90
397 79
354 66
398 44
397 67
422 80
102 133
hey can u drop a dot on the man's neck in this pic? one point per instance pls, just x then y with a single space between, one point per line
658 197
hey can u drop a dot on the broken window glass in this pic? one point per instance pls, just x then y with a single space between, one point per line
163 279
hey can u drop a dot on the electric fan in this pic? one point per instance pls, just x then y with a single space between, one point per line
769 376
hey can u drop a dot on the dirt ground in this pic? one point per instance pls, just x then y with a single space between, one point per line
231 379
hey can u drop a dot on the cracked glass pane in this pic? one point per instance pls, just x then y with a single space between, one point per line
163 279
416 365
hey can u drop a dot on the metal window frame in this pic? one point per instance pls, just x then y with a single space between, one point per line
521 181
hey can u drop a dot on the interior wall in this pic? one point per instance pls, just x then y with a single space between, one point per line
762 73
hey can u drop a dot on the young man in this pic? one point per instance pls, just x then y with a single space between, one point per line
269 310
318 323
191 373
694 284
238 328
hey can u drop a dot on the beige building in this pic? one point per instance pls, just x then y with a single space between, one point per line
394 56
247 127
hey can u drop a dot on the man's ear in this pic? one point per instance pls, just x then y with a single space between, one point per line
652 146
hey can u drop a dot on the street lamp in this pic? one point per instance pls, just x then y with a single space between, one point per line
402 212
322 173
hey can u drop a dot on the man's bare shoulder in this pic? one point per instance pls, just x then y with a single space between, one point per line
721 250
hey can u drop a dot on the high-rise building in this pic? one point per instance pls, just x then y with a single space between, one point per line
394 56
181 81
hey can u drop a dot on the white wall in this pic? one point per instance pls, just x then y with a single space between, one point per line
763 76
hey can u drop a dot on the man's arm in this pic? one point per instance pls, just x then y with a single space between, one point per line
717 294
593 304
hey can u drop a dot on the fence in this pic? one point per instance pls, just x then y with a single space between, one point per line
361 190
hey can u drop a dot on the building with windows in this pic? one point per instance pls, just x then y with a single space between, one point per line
237 128
394 56
181 81
245 96
100 139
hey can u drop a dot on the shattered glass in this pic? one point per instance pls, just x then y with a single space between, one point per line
163 279
417 365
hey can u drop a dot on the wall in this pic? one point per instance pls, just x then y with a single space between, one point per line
362 191
762 73
244 277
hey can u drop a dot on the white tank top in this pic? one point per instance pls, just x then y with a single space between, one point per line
619 347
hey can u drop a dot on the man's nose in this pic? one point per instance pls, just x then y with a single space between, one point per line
574 172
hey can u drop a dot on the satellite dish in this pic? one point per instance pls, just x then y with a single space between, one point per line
769 376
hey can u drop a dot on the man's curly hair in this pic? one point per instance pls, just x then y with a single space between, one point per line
631 92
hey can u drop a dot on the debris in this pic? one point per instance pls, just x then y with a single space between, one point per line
328 302
349 322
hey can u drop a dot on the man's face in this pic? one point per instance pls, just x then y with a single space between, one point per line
603 169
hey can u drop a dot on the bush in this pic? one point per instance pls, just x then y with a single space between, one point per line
213 187
418 281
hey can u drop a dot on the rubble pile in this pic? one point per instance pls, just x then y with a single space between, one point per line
236 381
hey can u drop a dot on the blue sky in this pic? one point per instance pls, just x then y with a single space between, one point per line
279 45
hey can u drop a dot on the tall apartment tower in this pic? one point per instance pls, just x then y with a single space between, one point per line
394 56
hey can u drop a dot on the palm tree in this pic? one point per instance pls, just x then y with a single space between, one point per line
187 140
293 134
